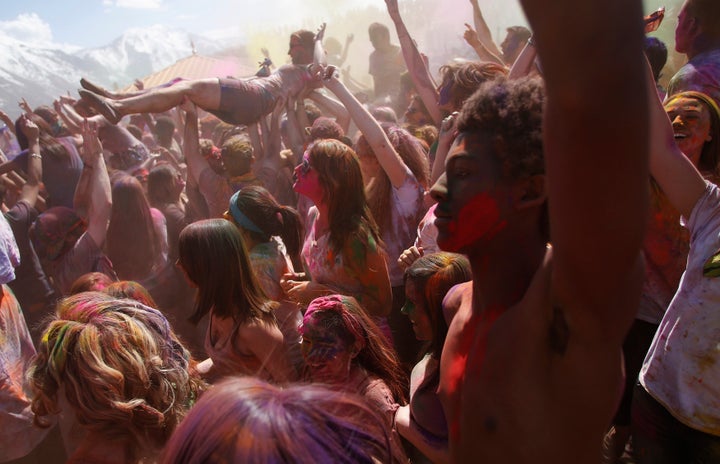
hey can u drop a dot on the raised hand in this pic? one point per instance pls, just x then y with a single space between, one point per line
320 34
29 128
91 148
188 106
23 104
654 19
392 7
471 36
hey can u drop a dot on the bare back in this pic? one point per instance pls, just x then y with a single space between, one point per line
288 81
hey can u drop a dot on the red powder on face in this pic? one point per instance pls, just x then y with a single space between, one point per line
479 218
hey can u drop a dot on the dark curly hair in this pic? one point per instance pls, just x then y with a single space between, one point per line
510 113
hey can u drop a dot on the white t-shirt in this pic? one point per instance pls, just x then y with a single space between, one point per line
682 367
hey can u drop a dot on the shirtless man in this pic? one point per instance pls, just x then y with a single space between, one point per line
531 368
235 101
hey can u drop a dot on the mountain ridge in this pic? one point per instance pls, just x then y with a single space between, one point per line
40 73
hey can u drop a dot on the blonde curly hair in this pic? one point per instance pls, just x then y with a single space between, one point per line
123 371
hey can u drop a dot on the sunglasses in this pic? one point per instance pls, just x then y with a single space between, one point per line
305 166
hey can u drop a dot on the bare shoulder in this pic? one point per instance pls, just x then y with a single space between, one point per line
457 296
260 332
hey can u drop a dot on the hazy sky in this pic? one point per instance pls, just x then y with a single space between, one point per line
91 23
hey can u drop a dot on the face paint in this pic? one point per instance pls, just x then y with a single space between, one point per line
478 219
327 356
307 181
473 196
444 97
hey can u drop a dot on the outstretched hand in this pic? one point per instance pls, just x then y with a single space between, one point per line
471 36
654 19
392 7
91 148
67 99
327 74
29 128
188 106
23 104
4 117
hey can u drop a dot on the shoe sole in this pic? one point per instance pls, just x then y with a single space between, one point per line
97 103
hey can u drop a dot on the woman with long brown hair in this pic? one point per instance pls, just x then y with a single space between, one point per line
243 335
342 252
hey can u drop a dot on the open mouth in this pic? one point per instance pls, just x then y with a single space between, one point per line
679 136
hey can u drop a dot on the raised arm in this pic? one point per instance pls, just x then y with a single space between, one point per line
598 194
294 131
525 62
672 170
419 72
386 155
8 122
446 137
483 31
471 37
333 108
31 190
98 182
196 164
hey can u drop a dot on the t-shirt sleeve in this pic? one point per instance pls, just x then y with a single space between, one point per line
705 216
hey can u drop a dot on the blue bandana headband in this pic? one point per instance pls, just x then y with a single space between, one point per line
242 220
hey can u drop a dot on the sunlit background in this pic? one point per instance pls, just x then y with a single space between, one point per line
249 25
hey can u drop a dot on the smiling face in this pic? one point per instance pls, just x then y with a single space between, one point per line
327 356
472 197
691 125
414 308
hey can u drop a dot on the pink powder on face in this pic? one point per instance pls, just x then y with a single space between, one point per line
479 218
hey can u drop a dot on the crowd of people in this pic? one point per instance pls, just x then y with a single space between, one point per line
510 260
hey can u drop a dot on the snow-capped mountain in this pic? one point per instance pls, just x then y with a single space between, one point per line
40 73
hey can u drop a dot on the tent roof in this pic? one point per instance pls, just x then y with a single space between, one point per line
197 67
